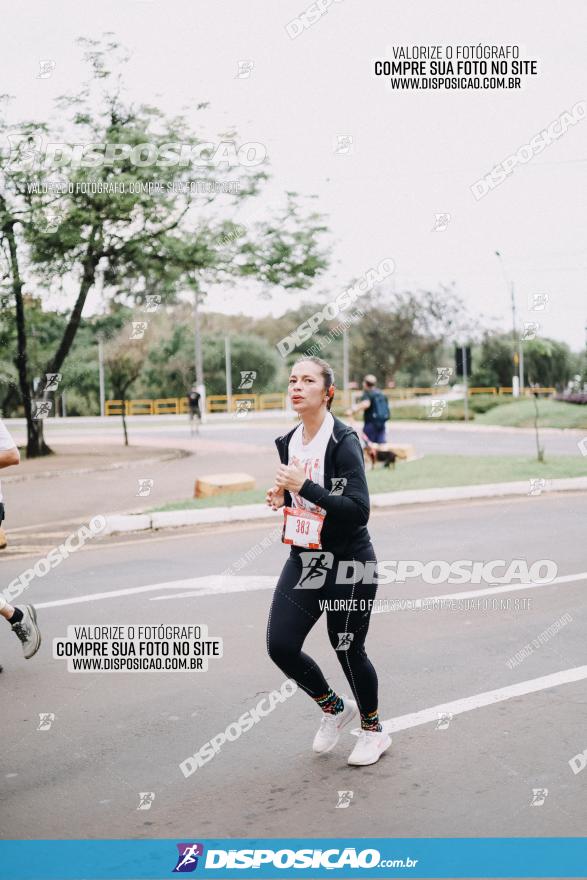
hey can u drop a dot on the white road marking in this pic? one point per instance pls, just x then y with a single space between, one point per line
205 586
487 698
219 584
489 591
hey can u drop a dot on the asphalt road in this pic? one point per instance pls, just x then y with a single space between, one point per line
116 735
429 435
228 444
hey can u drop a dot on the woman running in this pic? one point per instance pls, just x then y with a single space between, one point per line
322 486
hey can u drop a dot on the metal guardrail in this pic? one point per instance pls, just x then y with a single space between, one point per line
276 400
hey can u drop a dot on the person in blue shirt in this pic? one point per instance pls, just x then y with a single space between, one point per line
375 408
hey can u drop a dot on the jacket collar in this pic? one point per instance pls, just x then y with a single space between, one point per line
339 430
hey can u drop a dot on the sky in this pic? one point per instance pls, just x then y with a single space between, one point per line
414 154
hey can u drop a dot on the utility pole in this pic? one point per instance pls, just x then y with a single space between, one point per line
520 352
228 367
101 375
465 381
198 361
345 365
518 356
515 380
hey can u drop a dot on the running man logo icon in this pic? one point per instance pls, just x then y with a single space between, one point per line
53 380
314 568
188 857
152 302
343 145
537 302
443 375
436 409
338 484
138 329
244 69
531 329
444 719
46 68
146 798
441 222
41 409
26 150
247 379
344 799
539 795
46 719
344 641
54 218
243 408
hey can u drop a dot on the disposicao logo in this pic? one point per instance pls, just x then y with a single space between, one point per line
187 859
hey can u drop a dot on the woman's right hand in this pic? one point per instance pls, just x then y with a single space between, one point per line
275 498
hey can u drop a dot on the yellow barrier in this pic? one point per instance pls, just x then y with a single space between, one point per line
251 399
216 403
272 401
140 407
528 392
408 393
166 406
277 400
114 408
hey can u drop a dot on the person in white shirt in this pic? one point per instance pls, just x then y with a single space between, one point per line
322 488
22 618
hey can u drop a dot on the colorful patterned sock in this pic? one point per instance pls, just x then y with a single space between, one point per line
371 722
330 702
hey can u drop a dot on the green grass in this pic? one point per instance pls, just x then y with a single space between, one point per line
230 499
506 411
432 471
455 411
552 414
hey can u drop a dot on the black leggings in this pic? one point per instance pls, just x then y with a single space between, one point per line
294 611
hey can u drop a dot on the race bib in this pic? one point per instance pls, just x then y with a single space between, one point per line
302 528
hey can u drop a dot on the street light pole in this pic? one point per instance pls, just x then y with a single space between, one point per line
519 340
518 356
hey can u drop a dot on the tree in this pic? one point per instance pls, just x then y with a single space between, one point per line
106 225
547 362
123 359
404 331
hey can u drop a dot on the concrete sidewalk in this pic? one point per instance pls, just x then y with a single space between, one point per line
75 458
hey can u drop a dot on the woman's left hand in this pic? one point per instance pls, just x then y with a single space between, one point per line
291 477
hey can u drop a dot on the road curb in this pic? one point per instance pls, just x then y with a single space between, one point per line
246 512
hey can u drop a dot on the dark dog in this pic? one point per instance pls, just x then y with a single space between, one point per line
374 453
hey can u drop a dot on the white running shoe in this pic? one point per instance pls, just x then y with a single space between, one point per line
27 631
369 748
329 731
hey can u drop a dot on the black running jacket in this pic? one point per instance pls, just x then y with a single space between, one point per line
345 527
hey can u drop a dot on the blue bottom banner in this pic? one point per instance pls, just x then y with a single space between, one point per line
293 857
